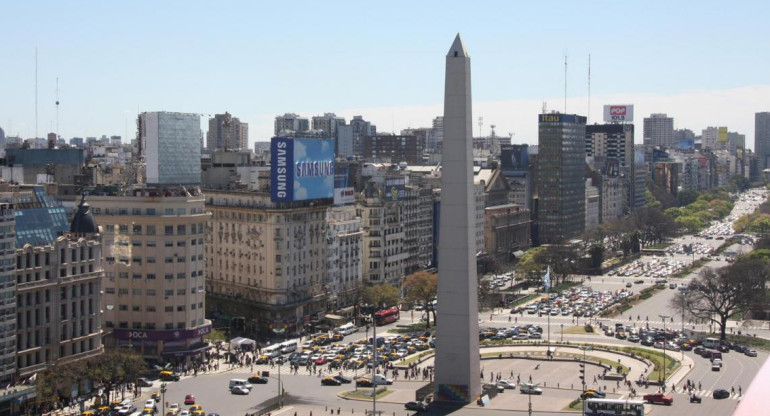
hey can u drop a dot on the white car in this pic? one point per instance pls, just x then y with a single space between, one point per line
174 407
240 390
506 384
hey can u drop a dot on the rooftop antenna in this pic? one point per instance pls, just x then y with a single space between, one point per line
36 135
545 107
57 108
588 117
481 125
565 82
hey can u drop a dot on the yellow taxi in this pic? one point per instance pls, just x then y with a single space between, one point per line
88 413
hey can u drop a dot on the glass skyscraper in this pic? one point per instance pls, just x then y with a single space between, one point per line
171 145
561 177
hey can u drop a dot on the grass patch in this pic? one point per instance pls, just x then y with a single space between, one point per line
578 329
418 327
523 300
365 393
656 357
575 406
753 342
660 246
415 357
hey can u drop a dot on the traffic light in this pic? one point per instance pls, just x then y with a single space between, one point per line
582 371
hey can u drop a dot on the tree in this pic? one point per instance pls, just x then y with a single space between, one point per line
687 197
596 251
654 226
716 295
563 260
422 287
382 295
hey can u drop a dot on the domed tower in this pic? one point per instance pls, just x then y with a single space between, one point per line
83 223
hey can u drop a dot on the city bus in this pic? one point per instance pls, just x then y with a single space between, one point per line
272 351
614 407
386 316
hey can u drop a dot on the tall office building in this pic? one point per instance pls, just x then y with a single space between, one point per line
7 291
659 130
170 144
394 149
360 128
154 289
762 139
561 177
227 133
290 122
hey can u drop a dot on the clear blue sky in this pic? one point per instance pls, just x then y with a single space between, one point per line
260 59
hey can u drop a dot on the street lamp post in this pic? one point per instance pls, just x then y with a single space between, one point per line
583 374
562 332
665 341
163 397
280 388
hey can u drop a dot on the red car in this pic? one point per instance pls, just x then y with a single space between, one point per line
189 399
658 398
321 360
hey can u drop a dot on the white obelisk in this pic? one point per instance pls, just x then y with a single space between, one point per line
457 340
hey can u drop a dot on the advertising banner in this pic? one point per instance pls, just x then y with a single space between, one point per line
159 334
301 169
722 134
687 144
344 196
514 157
395 189
561 118
619 113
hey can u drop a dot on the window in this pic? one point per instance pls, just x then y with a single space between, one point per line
181 229
180 325
169 309
136 292
180 243
136 308
169 244
181 211
169 260
169 292
136 229
181 292
169 230
150 211
150 229
123 291
180 308
151 276
150 259
180 276
181 259
150 243
136 243
169 276
150 309
150 292
122 307
123 275
168 211
109 290
136 276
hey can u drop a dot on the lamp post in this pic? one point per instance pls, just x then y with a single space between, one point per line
583 373
280 387
374 366
665 341
562 332
163 397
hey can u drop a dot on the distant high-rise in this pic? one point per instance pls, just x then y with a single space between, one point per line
290 122
561 177
328 123
762 139
659 130
170 143
227 133
360 128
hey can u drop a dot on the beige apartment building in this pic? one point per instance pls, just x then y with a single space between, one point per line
154 290
266 261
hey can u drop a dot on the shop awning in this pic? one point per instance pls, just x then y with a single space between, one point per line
332 317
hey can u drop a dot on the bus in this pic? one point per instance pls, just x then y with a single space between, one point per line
289 346
272 351
386 316
614 407
711 342
347 329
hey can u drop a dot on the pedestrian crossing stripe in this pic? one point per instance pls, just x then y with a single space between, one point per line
709 393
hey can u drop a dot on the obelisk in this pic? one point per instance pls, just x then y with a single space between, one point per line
457 339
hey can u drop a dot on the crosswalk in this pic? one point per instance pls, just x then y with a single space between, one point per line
708 394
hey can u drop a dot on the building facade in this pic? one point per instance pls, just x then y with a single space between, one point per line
170 144
290 122
266 262
561 177
506 231
154 290
344 259
227 133
384 252
328 123
762 139
659 130
7 291
394 149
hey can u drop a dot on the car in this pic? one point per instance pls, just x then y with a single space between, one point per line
695 399
330 381
593 394
150 404
647 342
715 367
416 406
364 382
723 348
174 407
628 284
126 409
184 413
342 379
529 388
195 408
239 390
720 394
255 379
189 399
749 353
672 286
143 382
633 338
658 398
535 335
506 384
155 396
639 282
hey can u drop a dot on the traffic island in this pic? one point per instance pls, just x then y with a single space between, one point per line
365 394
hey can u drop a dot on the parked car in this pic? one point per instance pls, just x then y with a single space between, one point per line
721 394
416 406
750 353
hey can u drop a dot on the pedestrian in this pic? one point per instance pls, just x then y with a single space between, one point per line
740 391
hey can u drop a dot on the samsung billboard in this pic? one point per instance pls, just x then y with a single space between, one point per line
301 169
619 113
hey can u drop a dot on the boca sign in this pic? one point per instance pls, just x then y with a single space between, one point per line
301 169
618 113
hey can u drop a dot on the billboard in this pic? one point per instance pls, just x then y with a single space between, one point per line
344 196
561 118
514 157
688 144
619 113
395 189
722 135
301 169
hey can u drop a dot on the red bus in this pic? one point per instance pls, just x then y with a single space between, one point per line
386 316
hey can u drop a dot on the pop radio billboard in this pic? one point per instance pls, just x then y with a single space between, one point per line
395 189
619 113
514 157
301 169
